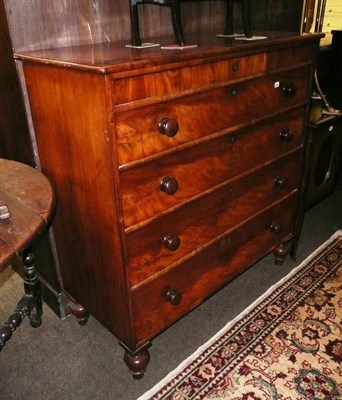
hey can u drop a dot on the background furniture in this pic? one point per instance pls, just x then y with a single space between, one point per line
324 155
177 20
175 17
245 17
173 172
26 205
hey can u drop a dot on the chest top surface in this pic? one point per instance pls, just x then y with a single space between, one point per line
116 57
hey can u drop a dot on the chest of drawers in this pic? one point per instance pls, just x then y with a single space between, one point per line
174 171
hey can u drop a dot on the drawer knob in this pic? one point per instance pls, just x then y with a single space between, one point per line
286 135
169 185
289 89
171 242
173 297
275 227
235 67
279 181
168 127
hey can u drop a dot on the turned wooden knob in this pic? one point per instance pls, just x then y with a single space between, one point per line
288 89
168 127
286 135
279 181
171 242
169 185
275 227
173 297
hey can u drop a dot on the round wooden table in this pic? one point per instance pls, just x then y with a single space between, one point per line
26 207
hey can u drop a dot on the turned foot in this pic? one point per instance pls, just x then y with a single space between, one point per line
137 361
79 312
281 252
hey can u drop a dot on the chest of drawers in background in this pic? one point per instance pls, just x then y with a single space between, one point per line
174 171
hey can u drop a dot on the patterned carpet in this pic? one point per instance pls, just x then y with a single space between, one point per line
285 346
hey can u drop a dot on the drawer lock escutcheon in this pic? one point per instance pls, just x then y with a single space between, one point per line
169 185
280 182
275 227
288 89
232 138
168 127
173 297
286 135
171 242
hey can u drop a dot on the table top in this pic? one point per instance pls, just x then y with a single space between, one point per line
28 196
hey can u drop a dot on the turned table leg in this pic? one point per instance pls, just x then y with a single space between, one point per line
30 304
32 298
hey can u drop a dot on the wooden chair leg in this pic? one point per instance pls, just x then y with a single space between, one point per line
229 29
246 18
177 23
135 38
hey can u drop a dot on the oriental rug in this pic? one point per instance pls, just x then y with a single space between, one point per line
285 346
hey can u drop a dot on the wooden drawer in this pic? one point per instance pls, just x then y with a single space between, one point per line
189 78
293 56
200 276
193 169
145 131
176 235
179 80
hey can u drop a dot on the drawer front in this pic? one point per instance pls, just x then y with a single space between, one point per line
145 131
293 55
177 80
200 276
174 236
188 78
157 186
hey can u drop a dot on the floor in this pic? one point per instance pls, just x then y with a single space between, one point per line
65 361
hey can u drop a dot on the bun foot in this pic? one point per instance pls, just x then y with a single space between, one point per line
137 361
79 312
281 252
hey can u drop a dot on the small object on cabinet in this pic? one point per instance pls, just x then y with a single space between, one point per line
176 21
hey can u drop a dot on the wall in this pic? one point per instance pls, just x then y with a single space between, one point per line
67 22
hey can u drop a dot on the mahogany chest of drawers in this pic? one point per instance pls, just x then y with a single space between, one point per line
174 170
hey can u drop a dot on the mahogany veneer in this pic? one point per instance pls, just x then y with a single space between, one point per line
174 170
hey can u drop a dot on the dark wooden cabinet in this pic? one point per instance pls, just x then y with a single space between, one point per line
174 171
